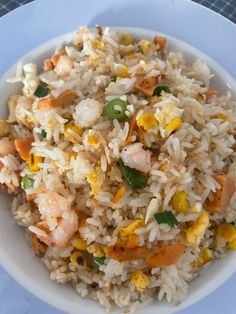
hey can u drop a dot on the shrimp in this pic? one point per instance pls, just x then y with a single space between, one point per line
6 147
87 112
64 66
57 208
134 156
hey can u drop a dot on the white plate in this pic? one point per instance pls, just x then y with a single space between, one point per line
160 14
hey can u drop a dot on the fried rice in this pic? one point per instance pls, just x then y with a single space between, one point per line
120 156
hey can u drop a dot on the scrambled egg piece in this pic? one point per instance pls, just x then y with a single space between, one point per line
174 125
205 256
140 280
121 70
34 161
130 229
227 233
179 202
74 128
195 233
79 243
95 179
98 44
147 121
166 115
96 250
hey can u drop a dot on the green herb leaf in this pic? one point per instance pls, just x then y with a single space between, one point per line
115 109
159 89
44 133
41 91
27 182
133 177
98 261
166 217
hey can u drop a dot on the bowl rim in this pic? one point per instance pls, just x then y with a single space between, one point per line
14 270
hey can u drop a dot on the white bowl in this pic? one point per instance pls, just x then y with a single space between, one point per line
16 255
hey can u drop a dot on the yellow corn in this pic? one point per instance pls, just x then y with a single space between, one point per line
98 44
147 121
205 256
228 233
79 244
77 259
126 39
93 140
34 161
140 280
121 71
174 125
96 250
179 202
145 45
195 233
221 116
130 229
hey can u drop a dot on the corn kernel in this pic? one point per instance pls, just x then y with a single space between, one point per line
179 202
79 244
126 39
174 125
130 229
205 256
232 245
98 44
96 250
145 45
74 128
140 280
77 259
34 161
121 71
147 121
93 140
227 232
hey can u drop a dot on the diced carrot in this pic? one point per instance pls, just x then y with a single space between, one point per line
211 92
66 98
23 146
119 194
146 85
165 256
45 103
57 56
223 195
161 41
122 253
48 65
132 127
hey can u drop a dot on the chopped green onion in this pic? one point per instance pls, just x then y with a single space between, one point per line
98 261
159 89
133 177
115 109
44 133
27 182
41 91
166 217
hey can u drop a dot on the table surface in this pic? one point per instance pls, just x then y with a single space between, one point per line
226 8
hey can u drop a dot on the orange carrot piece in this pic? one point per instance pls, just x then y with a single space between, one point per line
223 195
48 65
132 127
66 98
23 146
119 194
132 241
161 41
146 85
211 92
165 256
